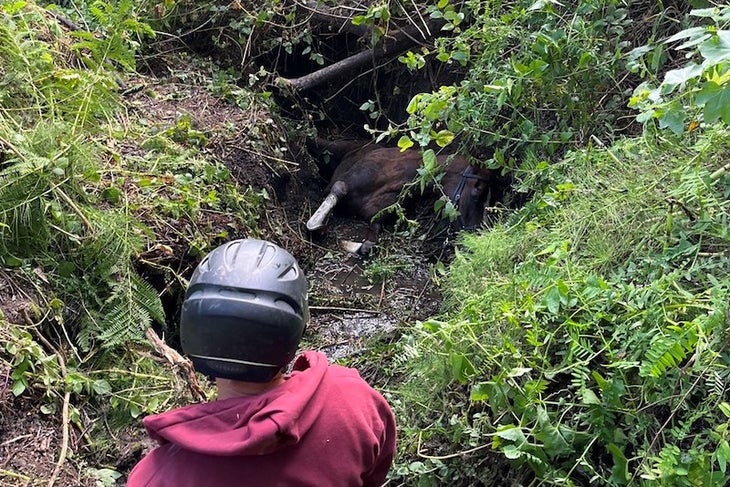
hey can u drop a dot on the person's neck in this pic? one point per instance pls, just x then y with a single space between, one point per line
228 388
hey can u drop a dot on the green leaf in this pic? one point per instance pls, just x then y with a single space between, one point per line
430 162
512 433
405 142
682 75
18 387
553 437
480 392
620 470
692 33
101 387
65 268
518 371
672 118
703 12
443 138
461 368
723 455
589 397
725 408
716 49
438 205
413 104
552 300
511 452
716 101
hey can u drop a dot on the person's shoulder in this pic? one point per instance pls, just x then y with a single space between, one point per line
349 379
342 372
338 375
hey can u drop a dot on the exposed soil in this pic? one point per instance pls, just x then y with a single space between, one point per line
353 300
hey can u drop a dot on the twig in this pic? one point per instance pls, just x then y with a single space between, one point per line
420 453
66 400
12 148
5 383
75 208
717 174
260 154
9 473
64 426
13 440
353 310
603 146
173 357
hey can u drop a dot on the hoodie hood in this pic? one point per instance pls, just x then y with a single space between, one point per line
248 425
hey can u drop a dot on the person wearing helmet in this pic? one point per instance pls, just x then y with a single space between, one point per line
321 425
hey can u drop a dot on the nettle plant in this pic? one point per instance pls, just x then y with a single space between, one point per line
698 91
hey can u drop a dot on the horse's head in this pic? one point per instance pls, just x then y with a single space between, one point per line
476 188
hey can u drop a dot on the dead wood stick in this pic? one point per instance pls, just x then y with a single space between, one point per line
350 310
174 358
331 72
63 452
393 45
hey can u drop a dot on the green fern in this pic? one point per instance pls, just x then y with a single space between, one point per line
117 20
132 309
23 224
669 349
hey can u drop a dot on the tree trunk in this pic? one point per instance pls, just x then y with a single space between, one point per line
392 46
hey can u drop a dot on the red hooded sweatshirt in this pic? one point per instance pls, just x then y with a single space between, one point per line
324 426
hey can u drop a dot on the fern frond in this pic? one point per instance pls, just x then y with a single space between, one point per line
146 297
668 350
133 309
716 385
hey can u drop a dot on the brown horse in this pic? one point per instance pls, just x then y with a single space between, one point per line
371 178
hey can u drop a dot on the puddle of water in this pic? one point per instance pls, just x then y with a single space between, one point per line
347 334
348 310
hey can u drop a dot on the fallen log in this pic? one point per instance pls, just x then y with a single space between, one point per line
394 45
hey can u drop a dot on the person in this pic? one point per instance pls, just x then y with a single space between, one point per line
321 425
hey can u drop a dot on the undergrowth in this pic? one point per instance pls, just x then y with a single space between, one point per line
585 338
99 211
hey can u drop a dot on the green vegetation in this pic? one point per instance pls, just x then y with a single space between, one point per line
94 204
586 338
583 339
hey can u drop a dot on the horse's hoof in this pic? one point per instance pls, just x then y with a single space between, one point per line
362 249
366 247
350 246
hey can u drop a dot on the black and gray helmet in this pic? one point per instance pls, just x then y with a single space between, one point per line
244 311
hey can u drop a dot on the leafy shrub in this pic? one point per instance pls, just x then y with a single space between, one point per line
697 92
537 76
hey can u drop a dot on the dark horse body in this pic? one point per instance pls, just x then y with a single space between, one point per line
371 178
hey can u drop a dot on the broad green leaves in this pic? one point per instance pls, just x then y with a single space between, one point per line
693 93
715 98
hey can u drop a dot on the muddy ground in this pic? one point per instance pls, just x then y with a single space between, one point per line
354 301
